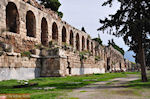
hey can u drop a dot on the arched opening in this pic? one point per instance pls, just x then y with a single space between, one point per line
77 42
64 34
71 38
54 32
12 18
30 24
83 43
87 44
92 47
108 64
44 32
120 66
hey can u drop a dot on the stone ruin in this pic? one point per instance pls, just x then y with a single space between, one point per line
35 42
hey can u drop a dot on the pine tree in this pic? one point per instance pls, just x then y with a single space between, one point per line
132 22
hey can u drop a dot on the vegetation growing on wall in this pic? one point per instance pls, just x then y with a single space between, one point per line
116 46
83 53
97 58
53 5
98 40
26 54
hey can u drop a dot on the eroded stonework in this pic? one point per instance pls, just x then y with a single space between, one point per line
57 48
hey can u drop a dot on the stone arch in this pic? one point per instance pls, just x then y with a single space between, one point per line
120 66
92 47
77 42
87 44
12 18
83 43
64 36
54 31
31 24
44 32
71 38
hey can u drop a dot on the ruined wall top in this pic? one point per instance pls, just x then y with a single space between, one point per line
49 11
112 49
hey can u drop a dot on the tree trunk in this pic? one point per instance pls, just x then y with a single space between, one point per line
142 61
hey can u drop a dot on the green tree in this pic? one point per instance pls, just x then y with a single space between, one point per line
98 39
132 22
53 5
82 29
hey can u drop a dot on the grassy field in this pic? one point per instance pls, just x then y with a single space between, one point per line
61 85
138 84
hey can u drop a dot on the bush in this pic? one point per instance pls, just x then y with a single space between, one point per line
26 54
97 58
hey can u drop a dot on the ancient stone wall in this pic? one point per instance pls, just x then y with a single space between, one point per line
59 49
60 62
14 66
32 24
114 59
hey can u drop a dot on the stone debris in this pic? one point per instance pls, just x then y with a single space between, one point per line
45 88
90 80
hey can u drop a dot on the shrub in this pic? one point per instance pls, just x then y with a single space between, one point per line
97 58
26 54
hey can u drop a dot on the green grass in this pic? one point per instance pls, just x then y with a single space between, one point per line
83 91
139 84
62 84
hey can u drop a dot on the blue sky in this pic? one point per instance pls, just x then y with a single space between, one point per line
87 13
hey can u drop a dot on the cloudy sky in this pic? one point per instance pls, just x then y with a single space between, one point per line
87 13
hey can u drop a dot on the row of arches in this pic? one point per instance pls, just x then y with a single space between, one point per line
13 25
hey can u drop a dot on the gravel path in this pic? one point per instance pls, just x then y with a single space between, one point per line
113 89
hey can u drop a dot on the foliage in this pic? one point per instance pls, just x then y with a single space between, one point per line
39 46
53 5
98 40
116 46
26 54
60 14
82 54
82 29
61 83
97 58
132 22
89 36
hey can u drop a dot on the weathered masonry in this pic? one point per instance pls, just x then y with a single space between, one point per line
36 42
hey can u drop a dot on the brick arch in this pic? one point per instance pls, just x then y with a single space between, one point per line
12 18
77 42
44 32
31 24
83 43
71 41
54 31
88 42
64 34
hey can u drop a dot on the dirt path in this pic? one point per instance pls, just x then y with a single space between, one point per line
113 89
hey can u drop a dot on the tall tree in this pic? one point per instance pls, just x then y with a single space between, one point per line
132 22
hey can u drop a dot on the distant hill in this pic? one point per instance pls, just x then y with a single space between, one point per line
129 55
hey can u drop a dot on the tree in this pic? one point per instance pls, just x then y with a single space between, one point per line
132 22
53 5
82 29
98 39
